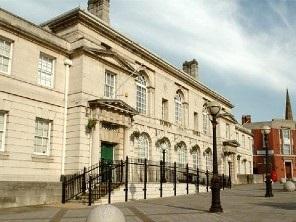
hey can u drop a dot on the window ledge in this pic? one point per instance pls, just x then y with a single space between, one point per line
4 155
42 158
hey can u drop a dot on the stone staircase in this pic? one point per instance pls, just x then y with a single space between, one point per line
135 192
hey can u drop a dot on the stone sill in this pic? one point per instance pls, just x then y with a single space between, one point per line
4 155
42 158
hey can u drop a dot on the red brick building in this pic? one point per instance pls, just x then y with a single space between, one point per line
281 144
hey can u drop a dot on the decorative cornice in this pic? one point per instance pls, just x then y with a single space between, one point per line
33 32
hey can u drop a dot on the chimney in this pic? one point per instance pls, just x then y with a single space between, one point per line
246 119
99 8
191 68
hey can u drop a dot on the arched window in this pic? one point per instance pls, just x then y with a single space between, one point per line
195 158
143 146
178 109
141 94
182 155
209 159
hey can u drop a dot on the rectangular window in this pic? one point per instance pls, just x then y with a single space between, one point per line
3 117
42 136
227 131
237 137
195 116
165 110
109 84
205 123
5 56
286 142
141 97
250 143
45 70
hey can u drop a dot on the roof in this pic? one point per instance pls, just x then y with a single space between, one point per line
275 124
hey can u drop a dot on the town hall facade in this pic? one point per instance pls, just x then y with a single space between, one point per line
74 91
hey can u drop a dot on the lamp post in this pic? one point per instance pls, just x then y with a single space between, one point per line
268 188
163 167
214 109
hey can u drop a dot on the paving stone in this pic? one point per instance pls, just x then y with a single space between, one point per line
244 203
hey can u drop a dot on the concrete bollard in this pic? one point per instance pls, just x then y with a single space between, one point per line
289 186
105 213
283 180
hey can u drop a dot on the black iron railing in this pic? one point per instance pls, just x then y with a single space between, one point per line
101 179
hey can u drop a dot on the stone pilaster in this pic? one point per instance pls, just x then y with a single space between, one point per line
151 101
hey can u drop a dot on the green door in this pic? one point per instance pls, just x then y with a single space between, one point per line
107 152
107 160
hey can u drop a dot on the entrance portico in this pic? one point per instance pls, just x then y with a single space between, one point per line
230 160
113 118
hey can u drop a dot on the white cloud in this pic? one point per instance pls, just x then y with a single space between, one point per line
211 32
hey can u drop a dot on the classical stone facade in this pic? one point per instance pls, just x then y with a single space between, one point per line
74 90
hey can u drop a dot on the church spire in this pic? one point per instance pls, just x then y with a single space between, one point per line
289 113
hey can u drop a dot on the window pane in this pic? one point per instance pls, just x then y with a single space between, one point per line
45 71
143 147
109 85
141 95
41 136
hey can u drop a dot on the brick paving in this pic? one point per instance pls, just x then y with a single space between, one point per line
242 203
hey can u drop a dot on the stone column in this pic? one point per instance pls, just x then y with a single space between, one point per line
96 145
126 143
234 160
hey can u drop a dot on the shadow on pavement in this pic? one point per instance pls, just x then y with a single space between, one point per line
284 206
180 207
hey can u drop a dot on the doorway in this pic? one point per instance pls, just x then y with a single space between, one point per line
106 160
288 169
107 150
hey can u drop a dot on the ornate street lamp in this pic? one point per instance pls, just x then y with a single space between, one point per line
214 109
268 189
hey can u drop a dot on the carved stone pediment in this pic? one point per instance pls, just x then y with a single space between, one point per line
230 147
232 143
107 53
114 105
113 111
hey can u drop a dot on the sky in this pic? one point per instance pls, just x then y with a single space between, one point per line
245 49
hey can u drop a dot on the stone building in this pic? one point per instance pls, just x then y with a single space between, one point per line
74 90
281 144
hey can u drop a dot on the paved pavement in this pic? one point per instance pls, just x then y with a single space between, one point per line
244 203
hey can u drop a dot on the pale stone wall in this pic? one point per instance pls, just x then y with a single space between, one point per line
20 193
24 101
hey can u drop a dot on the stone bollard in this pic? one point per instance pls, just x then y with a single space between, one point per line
105 213
289 186
283 180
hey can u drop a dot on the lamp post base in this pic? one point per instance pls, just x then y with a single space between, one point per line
268 187
215 187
